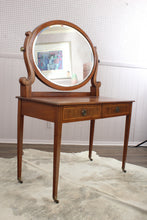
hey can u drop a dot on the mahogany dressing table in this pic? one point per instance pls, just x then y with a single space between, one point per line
62 56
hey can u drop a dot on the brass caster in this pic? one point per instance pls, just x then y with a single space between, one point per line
20 181
124 170
56 201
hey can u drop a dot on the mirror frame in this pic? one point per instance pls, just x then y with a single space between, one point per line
32 62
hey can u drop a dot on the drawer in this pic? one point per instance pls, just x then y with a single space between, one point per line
109 110
81 112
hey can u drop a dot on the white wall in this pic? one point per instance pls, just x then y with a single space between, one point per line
116 27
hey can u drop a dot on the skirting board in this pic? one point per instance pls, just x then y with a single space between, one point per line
69 142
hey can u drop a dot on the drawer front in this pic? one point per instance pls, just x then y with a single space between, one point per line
109 110
81 112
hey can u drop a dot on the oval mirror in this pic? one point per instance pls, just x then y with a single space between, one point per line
63 55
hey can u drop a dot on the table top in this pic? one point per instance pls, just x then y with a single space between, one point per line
60 101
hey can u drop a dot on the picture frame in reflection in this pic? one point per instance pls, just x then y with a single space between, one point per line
54 60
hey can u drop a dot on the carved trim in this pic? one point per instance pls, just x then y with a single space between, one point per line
93 79
94 84
31 75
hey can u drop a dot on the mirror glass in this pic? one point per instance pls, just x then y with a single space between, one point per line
63 55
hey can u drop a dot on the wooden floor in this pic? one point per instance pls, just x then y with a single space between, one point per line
137 156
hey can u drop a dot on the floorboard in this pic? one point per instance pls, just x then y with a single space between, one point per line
137 156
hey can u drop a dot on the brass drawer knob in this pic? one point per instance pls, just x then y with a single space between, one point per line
84 112
117 109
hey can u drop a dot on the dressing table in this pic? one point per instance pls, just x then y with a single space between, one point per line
62 56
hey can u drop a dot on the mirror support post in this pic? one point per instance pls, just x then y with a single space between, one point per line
94 91
25 83
25 91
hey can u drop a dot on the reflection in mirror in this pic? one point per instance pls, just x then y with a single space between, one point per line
63 55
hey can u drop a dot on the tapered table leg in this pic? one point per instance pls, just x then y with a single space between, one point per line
92 124
126 139
56 162
20 121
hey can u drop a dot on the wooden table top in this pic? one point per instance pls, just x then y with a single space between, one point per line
74 100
